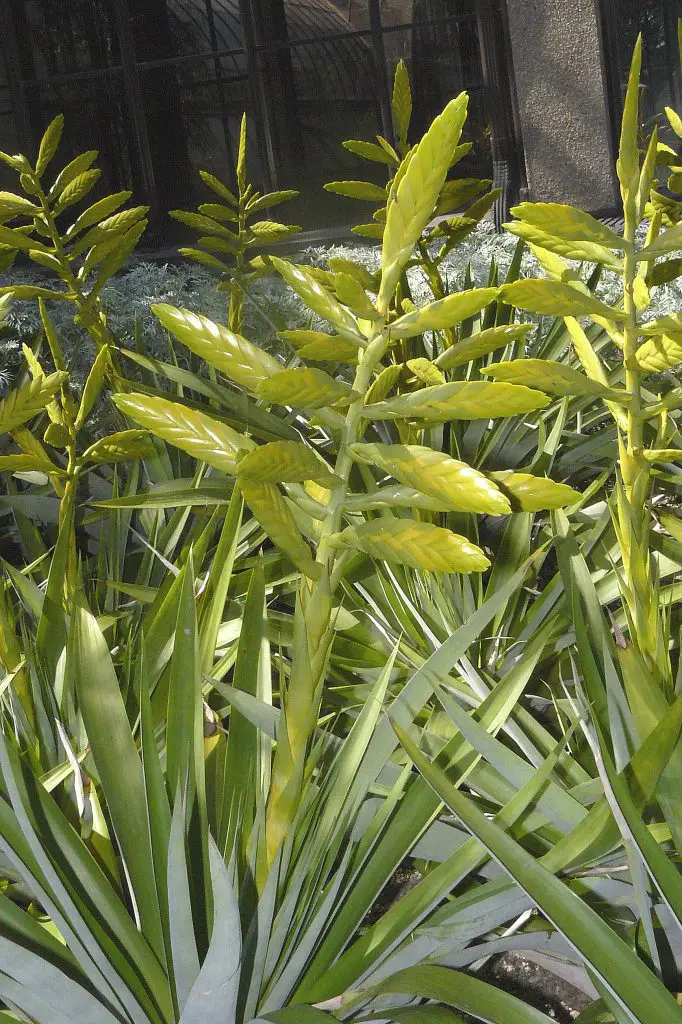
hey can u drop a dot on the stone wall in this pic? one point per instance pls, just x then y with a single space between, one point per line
562 99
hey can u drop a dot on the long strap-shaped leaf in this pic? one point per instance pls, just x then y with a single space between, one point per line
628 979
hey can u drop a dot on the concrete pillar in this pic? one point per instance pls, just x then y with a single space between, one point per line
558 61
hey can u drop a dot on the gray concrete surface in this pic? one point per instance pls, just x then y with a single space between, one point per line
558 64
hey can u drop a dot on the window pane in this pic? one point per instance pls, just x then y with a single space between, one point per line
96 117
58 37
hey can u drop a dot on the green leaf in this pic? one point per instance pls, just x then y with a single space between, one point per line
443 313
352 294
460 400
668 241
481 344
270 509
401 103
416 194
407 542
271 231
218 187
317 298
173 494
570 250
305 388
553 377
213 997
675 121
237 358
194 432
567 222
12 205
49 144
28 400
285 461
660 353
529 493
118 764
79 165
470 995
366 190
627 164
93 386
369 150
216 211
119 447
270 199
27 464
318 346
458 192
556 299
241 157
100 210
628 979
453 483
76 190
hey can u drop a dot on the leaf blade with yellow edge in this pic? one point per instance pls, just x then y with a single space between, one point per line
194 432
454 483
272 512
420 545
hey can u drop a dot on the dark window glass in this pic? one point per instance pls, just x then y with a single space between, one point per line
57 37
159 86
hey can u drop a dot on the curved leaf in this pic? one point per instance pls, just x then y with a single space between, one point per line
553 377
481 344
304 387
272 512
194 432
556 298
530 493
285 461
415 196
443 313
421 545
453 483
460 400
237 358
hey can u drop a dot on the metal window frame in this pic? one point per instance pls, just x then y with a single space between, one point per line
497 87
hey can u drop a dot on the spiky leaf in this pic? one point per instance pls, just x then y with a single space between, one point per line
553 378
284 462
415 196
529 493
237 358
421 545
443 313
272 512
454 483
194 432
460 400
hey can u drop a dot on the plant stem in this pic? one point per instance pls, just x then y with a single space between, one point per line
633 500
313 628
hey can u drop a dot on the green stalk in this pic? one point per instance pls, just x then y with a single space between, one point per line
313 628
633 515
